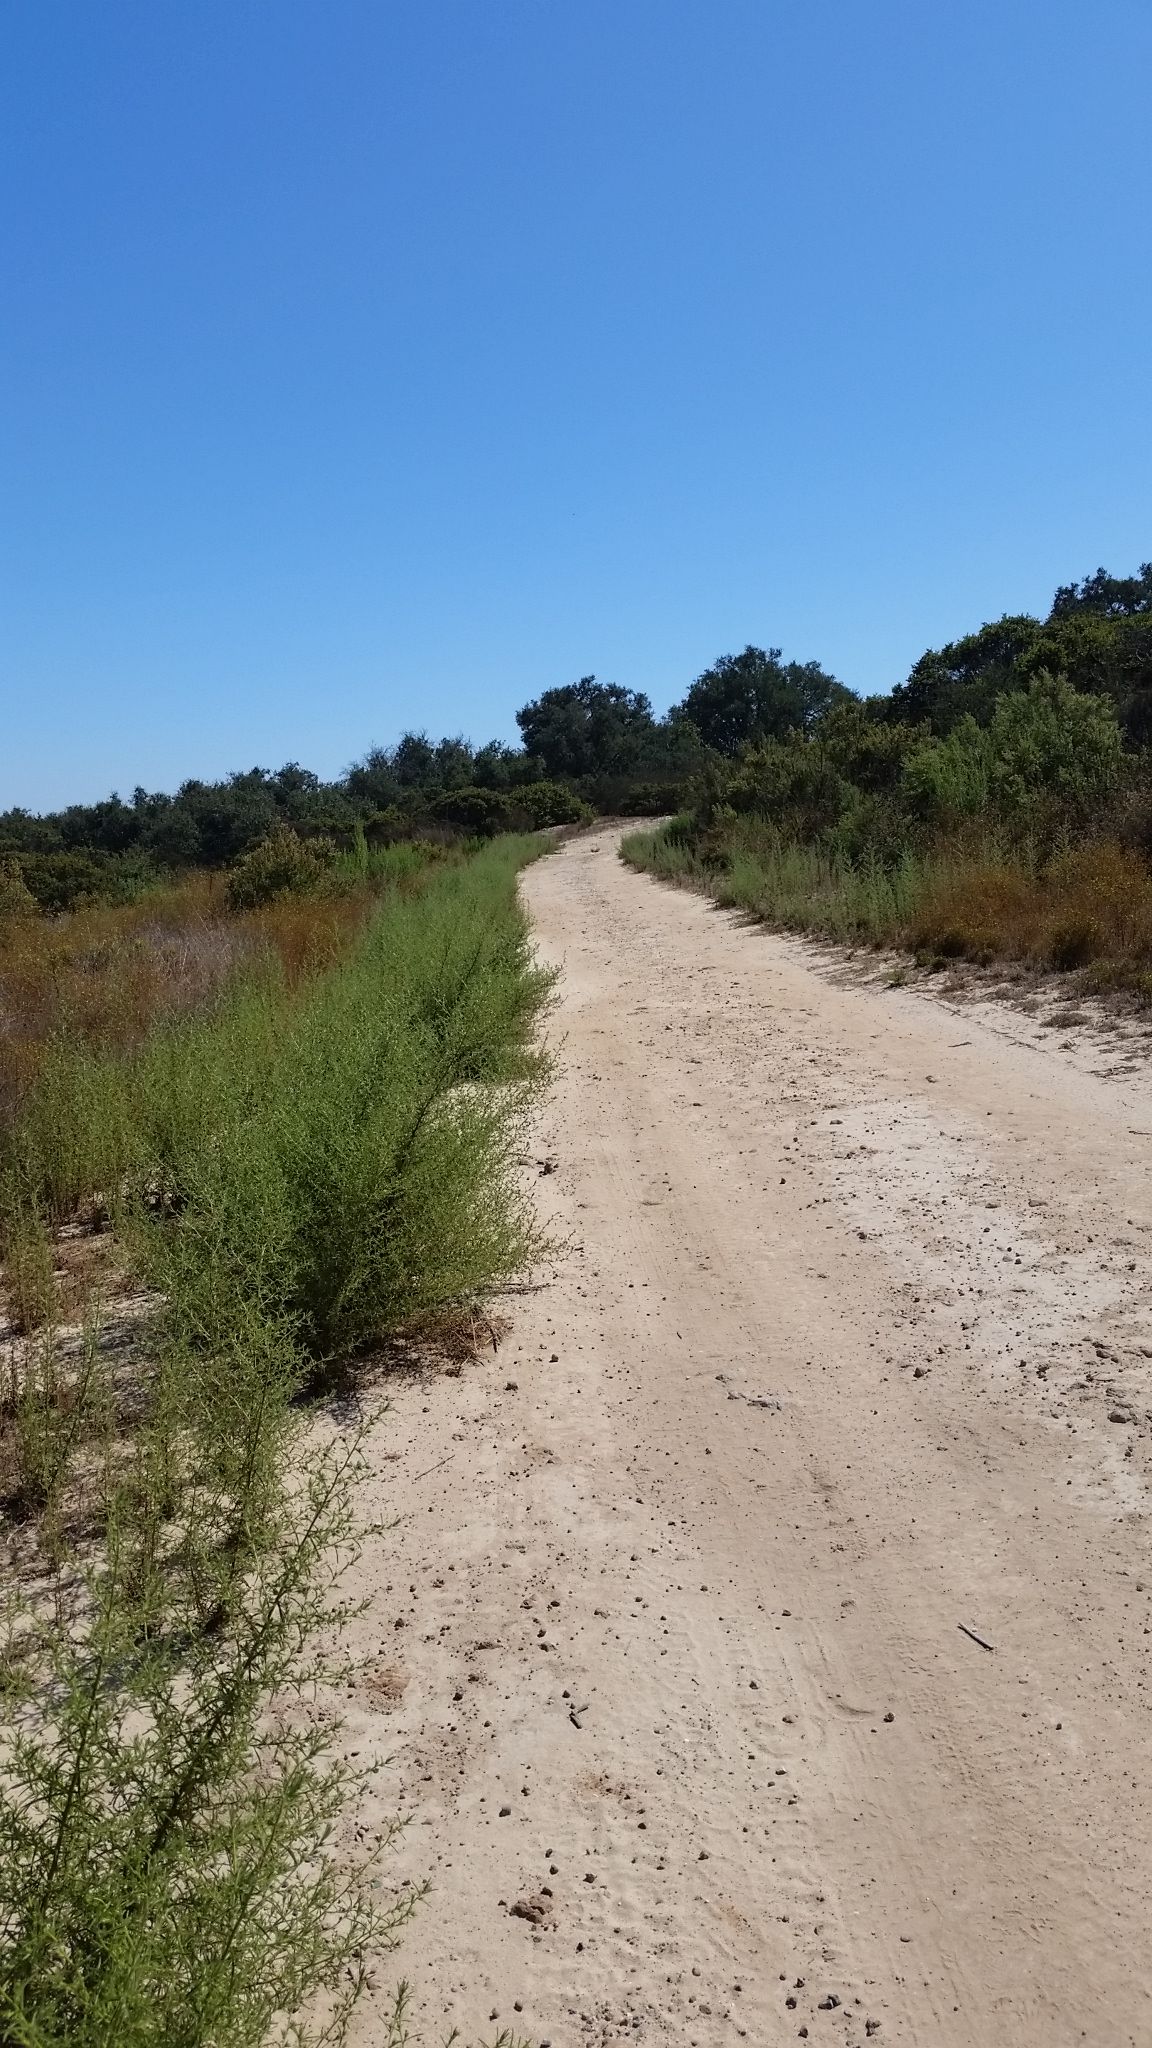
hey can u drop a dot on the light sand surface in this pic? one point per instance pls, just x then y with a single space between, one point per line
850 1344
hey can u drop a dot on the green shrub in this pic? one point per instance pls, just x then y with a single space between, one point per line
16 899
62 881
538 805
363 1170
283 864
482 813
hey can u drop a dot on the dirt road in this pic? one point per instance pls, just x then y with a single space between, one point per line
850 1352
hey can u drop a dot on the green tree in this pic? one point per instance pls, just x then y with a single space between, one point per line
587 728
966 677
1052 740
1110 597
746 698
1049 753
414 761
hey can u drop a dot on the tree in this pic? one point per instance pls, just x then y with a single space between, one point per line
746 698
1110 597
587 728
454 764
1054 741
414 760
1049 752
372 783
967 676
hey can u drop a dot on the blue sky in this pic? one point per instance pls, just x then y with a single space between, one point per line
384 362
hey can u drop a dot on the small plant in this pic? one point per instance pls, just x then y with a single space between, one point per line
29 1263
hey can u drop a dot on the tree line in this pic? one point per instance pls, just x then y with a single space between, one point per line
591 747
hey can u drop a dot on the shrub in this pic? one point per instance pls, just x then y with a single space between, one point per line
650 799
283 864
16 898
538 805
62 881
480 812
351 1164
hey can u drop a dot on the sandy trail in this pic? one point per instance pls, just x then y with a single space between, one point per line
852 1345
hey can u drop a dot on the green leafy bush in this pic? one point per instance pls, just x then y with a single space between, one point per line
282 864
16 898
351 1165
537 805
482 813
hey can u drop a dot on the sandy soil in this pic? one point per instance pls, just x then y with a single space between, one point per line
850 1352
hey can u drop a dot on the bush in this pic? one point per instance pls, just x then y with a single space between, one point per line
1047 761
356 1164
283 864
537 805
482 813
16 898
62 881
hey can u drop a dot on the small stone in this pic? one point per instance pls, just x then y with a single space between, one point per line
511 1386
828 2004
889 1717
504 1812
1121 1415
532 1909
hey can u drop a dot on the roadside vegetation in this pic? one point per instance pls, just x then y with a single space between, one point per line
997 806
225 1177
266 1054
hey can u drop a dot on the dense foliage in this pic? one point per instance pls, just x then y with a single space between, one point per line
997 803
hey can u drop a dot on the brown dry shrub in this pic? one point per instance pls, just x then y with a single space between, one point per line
975 910
1091 908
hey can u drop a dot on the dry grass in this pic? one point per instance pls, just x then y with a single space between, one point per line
106 975
1089 909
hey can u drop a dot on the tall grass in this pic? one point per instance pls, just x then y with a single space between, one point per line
106 976
297 1172
1089 908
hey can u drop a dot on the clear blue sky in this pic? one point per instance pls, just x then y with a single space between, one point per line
379 363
